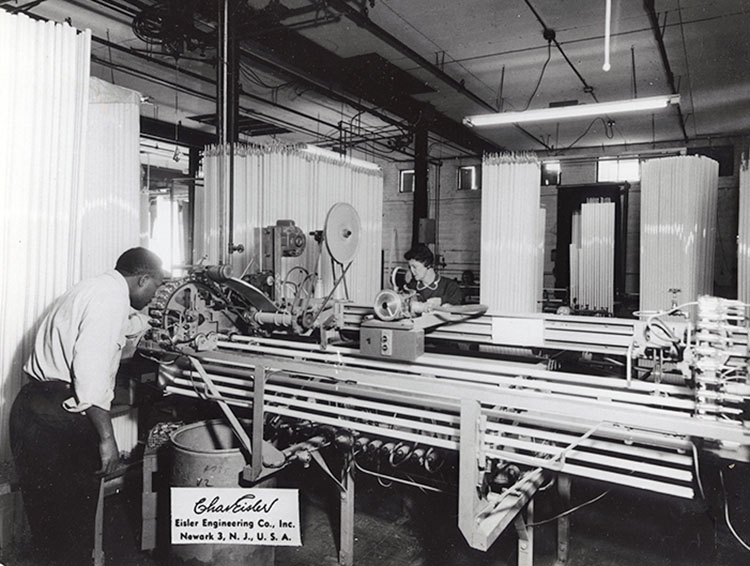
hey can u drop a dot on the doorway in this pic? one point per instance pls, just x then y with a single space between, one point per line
569 201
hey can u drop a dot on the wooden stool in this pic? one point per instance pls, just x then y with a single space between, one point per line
108 485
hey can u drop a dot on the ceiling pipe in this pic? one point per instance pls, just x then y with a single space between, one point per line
362 20
468 141
446 128
650 7
267 61
192 92
227 112
196 76
272 61
185 90
443 126
124 9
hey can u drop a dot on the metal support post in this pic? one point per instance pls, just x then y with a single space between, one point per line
563 523
525 535
421 206
258 419
346 519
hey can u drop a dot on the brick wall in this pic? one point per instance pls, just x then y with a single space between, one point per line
458 217
457 214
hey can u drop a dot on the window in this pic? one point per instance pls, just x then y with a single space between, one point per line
468 178
164 176
616 169
550 173
406 181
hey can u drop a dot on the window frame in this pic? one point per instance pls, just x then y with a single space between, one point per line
558 170
476 177
402 175
618 177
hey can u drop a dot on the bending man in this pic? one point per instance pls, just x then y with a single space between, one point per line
60 427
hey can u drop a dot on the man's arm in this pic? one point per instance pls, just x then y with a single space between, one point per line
108 450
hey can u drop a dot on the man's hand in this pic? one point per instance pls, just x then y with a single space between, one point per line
110 456
108 451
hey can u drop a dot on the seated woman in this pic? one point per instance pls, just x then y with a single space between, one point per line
427 282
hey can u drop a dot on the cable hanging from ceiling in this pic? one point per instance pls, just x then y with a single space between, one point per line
250 74
541 75
608 130
587 88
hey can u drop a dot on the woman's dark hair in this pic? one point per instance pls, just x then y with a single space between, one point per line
138 261
422 254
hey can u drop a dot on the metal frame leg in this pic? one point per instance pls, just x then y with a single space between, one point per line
259 387
98 552
563 523
526 535
346 524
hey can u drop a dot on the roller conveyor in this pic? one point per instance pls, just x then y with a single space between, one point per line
506 423
642 429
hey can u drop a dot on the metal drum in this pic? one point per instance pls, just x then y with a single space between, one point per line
207 454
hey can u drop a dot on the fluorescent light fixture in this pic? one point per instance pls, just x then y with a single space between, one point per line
575 111
315 150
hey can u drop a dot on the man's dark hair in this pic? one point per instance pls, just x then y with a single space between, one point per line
422 254
138 261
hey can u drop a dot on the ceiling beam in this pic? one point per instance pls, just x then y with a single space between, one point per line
182 135
300 58
362 20
650 7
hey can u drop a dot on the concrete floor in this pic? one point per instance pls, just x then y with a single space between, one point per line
399 526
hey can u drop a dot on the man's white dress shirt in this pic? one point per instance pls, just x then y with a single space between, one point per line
81 340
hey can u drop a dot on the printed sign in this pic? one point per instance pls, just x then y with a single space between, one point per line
211 515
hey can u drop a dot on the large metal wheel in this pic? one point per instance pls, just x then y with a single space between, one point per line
341 232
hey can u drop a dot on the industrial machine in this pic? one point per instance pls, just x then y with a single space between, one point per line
489 405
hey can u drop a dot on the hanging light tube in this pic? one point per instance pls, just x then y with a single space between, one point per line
574 111
607 26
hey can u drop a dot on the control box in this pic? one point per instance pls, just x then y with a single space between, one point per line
379 339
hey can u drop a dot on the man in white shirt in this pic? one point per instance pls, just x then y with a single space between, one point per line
60 427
